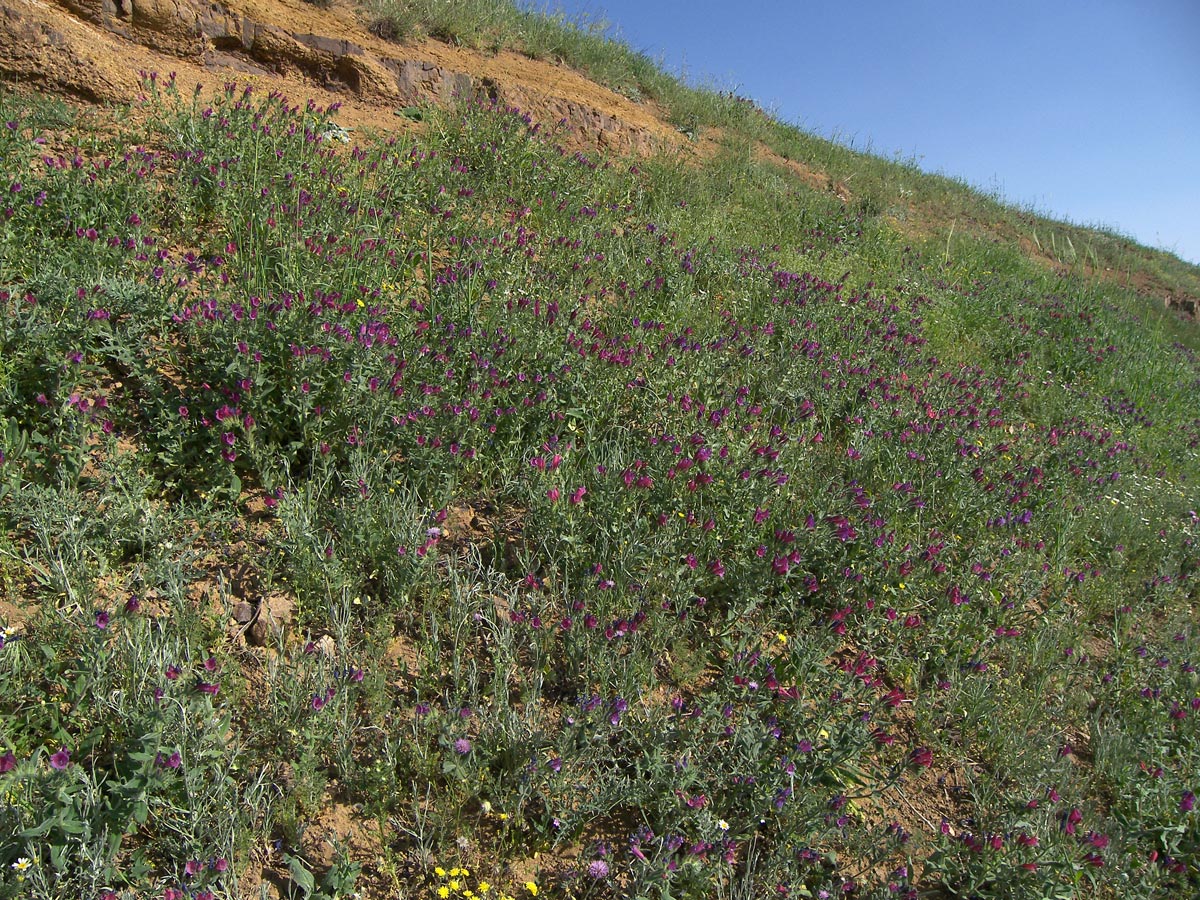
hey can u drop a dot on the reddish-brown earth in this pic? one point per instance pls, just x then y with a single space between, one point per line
98 50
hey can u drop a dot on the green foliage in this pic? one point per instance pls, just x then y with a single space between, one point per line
688 531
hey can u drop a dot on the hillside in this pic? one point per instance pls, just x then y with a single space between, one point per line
427 472
333 53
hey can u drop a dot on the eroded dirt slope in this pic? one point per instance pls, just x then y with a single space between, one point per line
97 50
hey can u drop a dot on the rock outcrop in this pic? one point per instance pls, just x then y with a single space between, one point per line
98 50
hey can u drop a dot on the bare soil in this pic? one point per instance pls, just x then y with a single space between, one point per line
99 51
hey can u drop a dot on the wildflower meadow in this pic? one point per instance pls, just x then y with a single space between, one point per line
570 526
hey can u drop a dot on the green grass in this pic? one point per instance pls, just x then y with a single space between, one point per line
580 42
618 528
927 206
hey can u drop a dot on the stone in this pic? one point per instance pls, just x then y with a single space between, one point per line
275 614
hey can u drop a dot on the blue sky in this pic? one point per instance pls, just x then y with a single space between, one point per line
1083 109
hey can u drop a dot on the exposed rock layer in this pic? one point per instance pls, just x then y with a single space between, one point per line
97 50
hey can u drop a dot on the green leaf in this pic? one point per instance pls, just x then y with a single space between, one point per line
300 874
38 831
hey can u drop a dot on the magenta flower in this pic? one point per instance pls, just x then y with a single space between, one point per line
61 759
462 746
168 762
1186 804
598 869
102 620
8 762
1072 819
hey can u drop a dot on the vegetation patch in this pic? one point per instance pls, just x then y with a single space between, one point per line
462 515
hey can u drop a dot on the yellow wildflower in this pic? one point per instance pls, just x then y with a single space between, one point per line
443 892
531 887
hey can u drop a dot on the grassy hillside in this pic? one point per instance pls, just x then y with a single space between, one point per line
467 516
924 206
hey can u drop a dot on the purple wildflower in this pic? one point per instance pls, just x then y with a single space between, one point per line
922 757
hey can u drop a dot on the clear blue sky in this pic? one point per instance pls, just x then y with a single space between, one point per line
1083 109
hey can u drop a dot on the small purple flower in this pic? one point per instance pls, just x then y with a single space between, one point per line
173 761
1186 804
598 869
318 701
61 759
619 706
102 620
8 762
462 746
